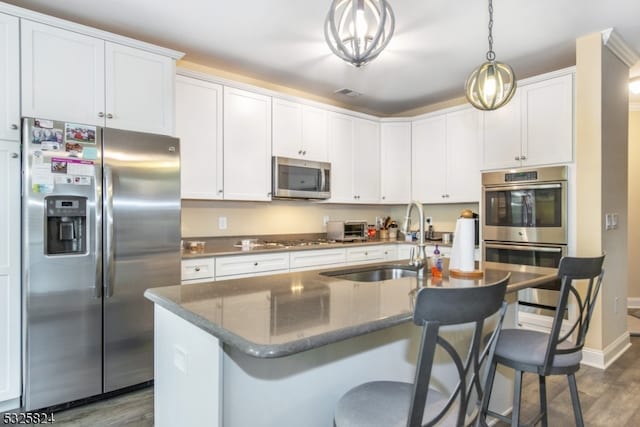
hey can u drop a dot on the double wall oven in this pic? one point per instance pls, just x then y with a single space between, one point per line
525 222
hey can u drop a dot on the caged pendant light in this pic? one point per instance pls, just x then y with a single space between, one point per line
492 84
358 30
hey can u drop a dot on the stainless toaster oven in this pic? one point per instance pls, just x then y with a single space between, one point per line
347 231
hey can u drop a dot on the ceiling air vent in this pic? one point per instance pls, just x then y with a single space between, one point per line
347 92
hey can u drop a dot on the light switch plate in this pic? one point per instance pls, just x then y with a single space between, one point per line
222 223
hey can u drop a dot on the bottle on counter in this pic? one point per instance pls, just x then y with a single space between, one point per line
436 269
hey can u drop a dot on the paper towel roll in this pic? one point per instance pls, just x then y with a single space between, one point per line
464 242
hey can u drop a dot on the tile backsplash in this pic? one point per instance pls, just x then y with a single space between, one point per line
201 217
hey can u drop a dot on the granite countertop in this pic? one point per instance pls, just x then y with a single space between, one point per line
283 314
222 246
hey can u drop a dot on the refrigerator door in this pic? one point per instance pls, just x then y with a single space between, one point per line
62 305
142 246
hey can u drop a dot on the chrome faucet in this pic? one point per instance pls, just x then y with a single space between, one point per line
418 258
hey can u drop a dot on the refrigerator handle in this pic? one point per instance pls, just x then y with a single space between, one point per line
98 238
108 232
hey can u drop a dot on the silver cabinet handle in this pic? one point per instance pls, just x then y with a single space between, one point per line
109 116
14 155
108 231
100 114
14 126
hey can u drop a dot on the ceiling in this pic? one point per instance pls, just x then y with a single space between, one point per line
435 45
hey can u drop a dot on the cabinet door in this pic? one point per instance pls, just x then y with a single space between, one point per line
428 159
139 90
62 74
199 127
366 161
501 136
341 136
9 271
9 78
547 122
395 162
463 160
314 134
251 264
287 129
247 145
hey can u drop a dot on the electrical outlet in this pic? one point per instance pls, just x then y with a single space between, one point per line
222 223
325 220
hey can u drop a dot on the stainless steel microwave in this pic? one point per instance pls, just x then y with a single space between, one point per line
300 179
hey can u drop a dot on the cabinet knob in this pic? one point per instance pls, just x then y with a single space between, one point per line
269 194
384 197
299 151
197 269
516 158
366 254
219 191
304 152
255 264
14 155
100 114
523 157
109 116
14 126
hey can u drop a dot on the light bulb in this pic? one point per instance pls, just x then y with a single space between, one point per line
489 89
634 86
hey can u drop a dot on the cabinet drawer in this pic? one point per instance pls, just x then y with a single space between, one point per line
306 259
250 264
365 254
197 269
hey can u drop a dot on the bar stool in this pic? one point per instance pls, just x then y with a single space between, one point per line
556 353
393 403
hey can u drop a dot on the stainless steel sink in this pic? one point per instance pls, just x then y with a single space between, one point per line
373 274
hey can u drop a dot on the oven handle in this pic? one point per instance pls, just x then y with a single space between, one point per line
524 248
522 187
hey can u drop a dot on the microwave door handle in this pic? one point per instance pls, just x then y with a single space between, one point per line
524 248
323 179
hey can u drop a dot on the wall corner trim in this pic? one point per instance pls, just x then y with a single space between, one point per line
616 44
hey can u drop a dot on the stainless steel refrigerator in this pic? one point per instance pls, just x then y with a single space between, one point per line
101 223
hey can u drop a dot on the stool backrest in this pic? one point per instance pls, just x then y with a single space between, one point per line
435 307
571 271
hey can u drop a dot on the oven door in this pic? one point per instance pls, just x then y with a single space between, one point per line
526 213
539 301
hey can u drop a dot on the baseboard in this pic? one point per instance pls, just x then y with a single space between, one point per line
10 405
633 302
602 359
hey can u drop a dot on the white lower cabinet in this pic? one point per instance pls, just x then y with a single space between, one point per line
309 260
237 266
365 254
197 270
9 275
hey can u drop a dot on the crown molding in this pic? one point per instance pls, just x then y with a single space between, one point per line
616 44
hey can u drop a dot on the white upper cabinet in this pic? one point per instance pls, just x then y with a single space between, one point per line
354 153
534 128
247 145
341 141
9 78
199 127
62 75
139 90
395 162
445 161
73 77
10 275
366 161
299 131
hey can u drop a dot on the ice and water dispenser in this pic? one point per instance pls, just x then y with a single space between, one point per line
65 225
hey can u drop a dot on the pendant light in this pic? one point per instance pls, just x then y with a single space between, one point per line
492 84
358 30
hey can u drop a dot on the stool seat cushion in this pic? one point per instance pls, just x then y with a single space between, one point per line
525 350
386 403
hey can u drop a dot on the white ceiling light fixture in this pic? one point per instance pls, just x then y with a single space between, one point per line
492 84
634 86
358 30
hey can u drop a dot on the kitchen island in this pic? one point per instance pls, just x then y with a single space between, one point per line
280 350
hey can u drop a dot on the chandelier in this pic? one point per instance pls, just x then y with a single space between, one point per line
358 30
492 84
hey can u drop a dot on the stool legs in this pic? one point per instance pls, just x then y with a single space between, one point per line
517 394
542 384
575 400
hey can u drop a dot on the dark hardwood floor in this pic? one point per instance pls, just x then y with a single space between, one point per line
609 398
